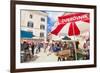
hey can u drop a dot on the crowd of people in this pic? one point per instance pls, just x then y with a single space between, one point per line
32 48
29 50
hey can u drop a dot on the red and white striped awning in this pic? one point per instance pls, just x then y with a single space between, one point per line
72 24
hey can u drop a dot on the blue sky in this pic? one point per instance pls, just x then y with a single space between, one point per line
52 18
50 24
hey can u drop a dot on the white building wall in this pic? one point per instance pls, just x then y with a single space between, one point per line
36 19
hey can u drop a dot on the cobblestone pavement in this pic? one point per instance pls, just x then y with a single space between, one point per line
44 57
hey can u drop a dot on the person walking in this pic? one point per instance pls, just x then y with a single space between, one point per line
30 52
25 46
32 46
38 48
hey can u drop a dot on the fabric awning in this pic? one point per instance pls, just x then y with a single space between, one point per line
26 34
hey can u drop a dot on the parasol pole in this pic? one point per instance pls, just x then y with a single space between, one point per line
74 42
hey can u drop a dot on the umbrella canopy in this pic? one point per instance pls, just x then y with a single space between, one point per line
72 24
